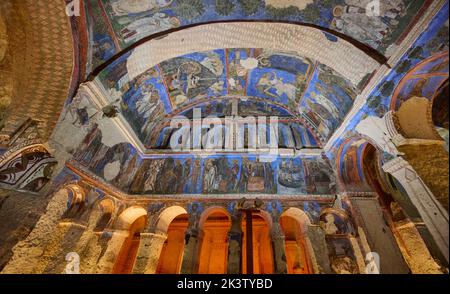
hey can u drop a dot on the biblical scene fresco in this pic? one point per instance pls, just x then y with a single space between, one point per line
335 222
424 80
222 107
123 167
431 44
124 22
104 45
264 82
327 100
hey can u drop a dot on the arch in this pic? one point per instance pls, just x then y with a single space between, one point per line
267 217
173 223
294 223
76 194
213 254
440 102
27 166
414 119
349 164
167 216
129 216
133 220
107 208
340 53
262 247
212 210
76 201
300 216
422 74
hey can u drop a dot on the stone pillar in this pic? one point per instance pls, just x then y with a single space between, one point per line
310 249
279 248
360 260
70 233
192 246
28 254
316 236
85 245
415 250
149 251
433 214
234 265
107 261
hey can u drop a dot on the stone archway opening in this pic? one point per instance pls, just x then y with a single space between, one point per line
133 220
294 223
173 222
262 252
214 245
107 209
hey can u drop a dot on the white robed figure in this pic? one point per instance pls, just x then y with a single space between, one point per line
125 7
146 26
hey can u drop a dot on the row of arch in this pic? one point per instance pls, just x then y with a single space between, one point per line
215 225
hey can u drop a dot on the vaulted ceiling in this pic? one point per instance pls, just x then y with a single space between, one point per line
305 61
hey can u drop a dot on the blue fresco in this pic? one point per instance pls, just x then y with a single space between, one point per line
129 21
264 82
232 173
434 40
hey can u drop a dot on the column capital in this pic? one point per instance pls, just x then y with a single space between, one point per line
160 235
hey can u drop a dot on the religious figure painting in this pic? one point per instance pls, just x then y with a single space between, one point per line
122 166
282 83
197 75
134 20
334 222
327 100
290 176
126 7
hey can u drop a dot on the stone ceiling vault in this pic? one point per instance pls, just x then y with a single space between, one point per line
41 55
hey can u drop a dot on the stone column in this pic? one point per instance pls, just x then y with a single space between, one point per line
433 214
71 233
360 260
191 247
86 243
108 259
279 248
310 249
28 254
415 250
149 251
316 237
234 265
